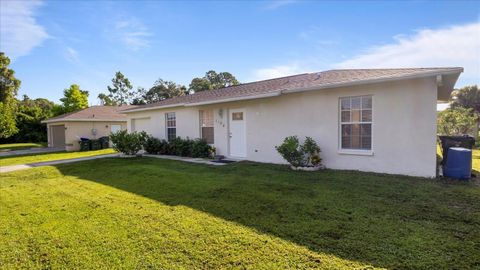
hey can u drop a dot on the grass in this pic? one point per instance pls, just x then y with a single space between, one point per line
33 158
19 146
152 213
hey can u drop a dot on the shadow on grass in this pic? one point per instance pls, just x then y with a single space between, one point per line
387 221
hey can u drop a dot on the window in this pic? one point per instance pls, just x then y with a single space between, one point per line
356 123
237 116
206 125
115 128
171 124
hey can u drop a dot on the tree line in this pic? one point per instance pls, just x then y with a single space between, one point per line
20 119
121 93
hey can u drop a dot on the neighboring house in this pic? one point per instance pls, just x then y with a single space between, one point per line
93 122
379 120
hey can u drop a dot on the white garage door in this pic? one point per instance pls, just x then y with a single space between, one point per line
141 124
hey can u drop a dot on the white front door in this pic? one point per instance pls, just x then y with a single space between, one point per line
115 128
238 139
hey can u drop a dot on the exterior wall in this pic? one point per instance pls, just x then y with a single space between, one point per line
75 130
403 130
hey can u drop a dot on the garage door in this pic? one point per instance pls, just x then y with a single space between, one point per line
58 135
141 124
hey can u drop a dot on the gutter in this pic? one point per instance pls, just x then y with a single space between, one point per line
81 120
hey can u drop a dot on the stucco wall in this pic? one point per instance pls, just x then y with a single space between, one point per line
403 130
75 130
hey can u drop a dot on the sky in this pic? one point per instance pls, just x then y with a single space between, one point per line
53 44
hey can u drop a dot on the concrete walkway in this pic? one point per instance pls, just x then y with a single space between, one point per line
39 150
13 168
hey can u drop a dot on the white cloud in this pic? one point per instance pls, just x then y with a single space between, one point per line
19 30
279 3
133 33
453 46
278 71
72 55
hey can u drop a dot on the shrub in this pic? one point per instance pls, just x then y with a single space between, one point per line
152 145
311 151
180 147
198 148
128 143
299 155
201 149
291 151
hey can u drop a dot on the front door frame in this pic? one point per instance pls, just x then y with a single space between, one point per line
229 135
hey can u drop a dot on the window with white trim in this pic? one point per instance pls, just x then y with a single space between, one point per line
171 125
356 123
206 125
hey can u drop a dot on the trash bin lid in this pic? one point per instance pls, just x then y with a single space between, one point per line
460 149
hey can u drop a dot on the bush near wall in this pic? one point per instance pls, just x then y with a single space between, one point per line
197 148
128 143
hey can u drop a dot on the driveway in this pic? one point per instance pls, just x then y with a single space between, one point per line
13 168
40 150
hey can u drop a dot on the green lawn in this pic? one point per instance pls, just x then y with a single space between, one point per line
19 146
151 213
26 159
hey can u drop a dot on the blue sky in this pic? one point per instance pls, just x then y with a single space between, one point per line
57 43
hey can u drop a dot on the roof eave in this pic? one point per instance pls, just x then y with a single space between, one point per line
82 120
153 108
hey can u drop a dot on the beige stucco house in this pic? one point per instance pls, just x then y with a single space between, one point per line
378 120
65 131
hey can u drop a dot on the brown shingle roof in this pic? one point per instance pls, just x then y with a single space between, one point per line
325 79
94 113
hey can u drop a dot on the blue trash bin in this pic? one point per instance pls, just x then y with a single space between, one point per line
459 163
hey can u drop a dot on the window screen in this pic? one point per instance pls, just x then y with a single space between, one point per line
206 125
356 122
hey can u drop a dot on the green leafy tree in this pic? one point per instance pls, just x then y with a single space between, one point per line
30 114
457 121
468 97
164 89
200 84
139 98
74 99
9 86
119 93
212 80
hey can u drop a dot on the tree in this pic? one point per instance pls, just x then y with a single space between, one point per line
212 80
468 97
74 98
139 98
9 86
119 93
160 90
30 114
164 89
457 121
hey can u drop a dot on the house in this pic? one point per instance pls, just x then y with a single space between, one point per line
65 131
377 120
